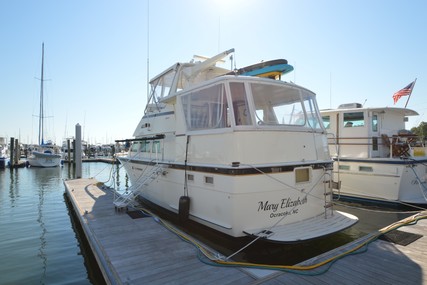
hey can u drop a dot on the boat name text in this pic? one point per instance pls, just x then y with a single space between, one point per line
283 204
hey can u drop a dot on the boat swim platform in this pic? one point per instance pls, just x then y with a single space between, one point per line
143 251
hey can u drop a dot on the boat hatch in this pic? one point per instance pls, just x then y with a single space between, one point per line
305 230
302 174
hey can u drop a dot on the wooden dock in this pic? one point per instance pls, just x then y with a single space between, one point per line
142 251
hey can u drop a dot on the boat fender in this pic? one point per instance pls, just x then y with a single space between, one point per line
184 208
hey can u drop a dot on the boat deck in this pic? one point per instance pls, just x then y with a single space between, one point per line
142 251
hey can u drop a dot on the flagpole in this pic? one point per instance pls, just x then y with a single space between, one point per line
410 93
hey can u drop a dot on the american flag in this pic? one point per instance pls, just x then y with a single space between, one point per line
403 92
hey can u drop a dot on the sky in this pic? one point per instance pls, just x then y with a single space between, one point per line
99 55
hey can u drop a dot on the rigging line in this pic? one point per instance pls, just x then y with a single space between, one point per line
148 51
110 175
422 187
276 223
296 269
354 250
287 185
244 247
112 167
414 160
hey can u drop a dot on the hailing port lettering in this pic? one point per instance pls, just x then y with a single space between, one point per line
283 204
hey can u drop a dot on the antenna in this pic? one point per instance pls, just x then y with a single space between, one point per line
66 121
295 73
330 90
84 125
219 31
148 51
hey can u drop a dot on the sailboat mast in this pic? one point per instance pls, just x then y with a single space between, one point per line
41 141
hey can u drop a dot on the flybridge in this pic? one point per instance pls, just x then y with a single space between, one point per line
181 76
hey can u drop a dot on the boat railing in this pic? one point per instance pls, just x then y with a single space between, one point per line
121 201
404 145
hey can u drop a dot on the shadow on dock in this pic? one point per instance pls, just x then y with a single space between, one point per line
142 251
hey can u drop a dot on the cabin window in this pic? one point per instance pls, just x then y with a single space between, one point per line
155 147
145 146
354 119
240 104
206 108
374 123
326 121
135 147
374 143
209 180
344 167
366 168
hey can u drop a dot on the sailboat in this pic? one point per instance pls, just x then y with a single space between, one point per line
44 154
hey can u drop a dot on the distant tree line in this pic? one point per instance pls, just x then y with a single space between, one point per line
421 130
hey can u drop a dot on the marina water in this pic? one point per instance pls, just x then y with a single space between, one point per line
41 242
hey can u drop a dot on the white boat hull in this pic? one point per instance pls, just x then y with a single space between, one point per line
240 205
388 181
4 161
41 159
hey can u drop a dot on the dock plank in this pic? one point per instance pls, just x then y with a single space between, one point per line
382 263
142 251
139 251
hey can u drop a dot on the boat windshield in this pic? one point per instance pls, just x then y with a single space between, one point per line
276 105
161 86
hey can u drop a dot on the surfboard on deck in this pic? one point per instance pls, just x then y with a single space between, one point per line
270 69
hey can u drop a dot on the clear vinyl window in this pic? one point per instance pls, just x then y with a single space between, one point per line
206 108
280 105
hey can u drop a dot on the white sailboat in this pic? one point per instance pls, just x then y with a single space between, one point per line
236 151
375 158
45 154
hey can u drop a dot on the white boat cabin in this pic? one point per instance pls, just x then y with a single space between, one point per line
354 131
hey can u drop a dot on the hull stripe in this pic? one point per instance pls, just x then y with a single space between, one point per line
232 170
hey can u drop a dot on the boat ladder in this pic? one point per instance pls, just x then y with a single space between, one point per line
329 195
129 197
